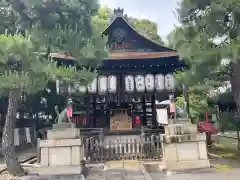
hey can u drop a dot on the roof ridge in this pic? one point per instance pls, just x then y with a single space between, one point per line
140 34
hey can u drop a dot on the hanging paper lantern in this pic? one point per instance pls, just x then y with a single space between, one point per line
82 89
169 82
140 83
149 82
77 87
70 89
102 84
58 86
92 87
129 83
112 84
159 82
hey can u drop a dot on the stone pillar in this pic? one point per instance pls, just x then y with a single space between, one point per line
184 147
63 147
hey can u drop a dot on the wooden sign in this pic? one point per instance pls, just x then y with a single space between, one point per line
121 122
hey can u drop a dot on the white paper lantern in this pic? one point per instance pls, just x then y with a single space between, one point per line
61 87
58 86
82 88
140 83
77 87
102 84
92 87
169 82
129 83
149 82
159 82
70 89
112 84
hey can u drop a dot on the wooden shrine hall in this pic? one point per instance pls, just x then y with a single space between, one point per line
137 73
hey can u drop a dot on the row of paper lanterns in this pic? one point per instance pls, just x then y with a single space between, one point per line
139 83
149 83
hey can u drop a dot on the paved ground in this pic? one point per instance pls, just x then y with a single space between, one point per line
97 174
119 174
231 175
137 175
22 155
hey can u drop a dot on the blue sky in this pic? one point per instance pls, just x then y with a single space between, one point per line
159 11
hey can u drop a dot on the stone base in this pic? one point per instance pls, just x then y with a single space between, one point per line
176 129
62 152
53 171
189 153
63 125
185 165
64 133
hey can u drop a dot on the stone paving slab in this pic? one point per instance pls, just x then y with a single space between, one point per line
58 177
22 155
94 174
123 174
231 175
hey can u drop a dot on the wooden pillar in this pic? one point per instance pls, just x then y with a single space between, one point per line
94 119
144 119
88 117
121 87
154 112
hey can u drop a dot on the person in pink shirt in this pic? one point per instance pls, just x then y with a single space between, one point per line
172 107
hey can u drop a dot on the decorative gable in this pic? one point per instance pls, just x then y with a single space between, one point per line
122 37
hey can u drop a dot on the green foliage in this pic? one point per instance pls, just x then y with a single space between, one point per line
197 103
101 20
208 37
146 28
229 121
22 69
209 34
51 25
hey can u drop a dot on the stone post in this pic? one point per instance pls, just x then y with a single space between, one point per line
184 148
63 147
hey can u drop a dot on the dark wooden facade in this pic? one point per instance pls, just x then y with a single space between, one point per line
130 53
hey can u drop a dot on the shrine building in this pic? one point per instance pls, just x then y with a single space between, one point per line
137 73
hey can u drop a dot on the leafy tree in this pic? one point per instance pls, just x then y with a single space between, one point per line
197 98
208 37
101 19
146 28
24 70
197 103
230 121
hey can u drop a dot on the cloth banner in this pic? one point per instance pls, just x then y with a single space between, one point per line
162 116
69 112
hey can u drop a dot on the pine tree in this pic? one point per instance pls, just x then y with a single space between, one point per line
208 38
24 70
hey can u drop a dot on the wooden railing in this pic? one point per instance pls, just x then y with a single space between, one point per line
97 150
